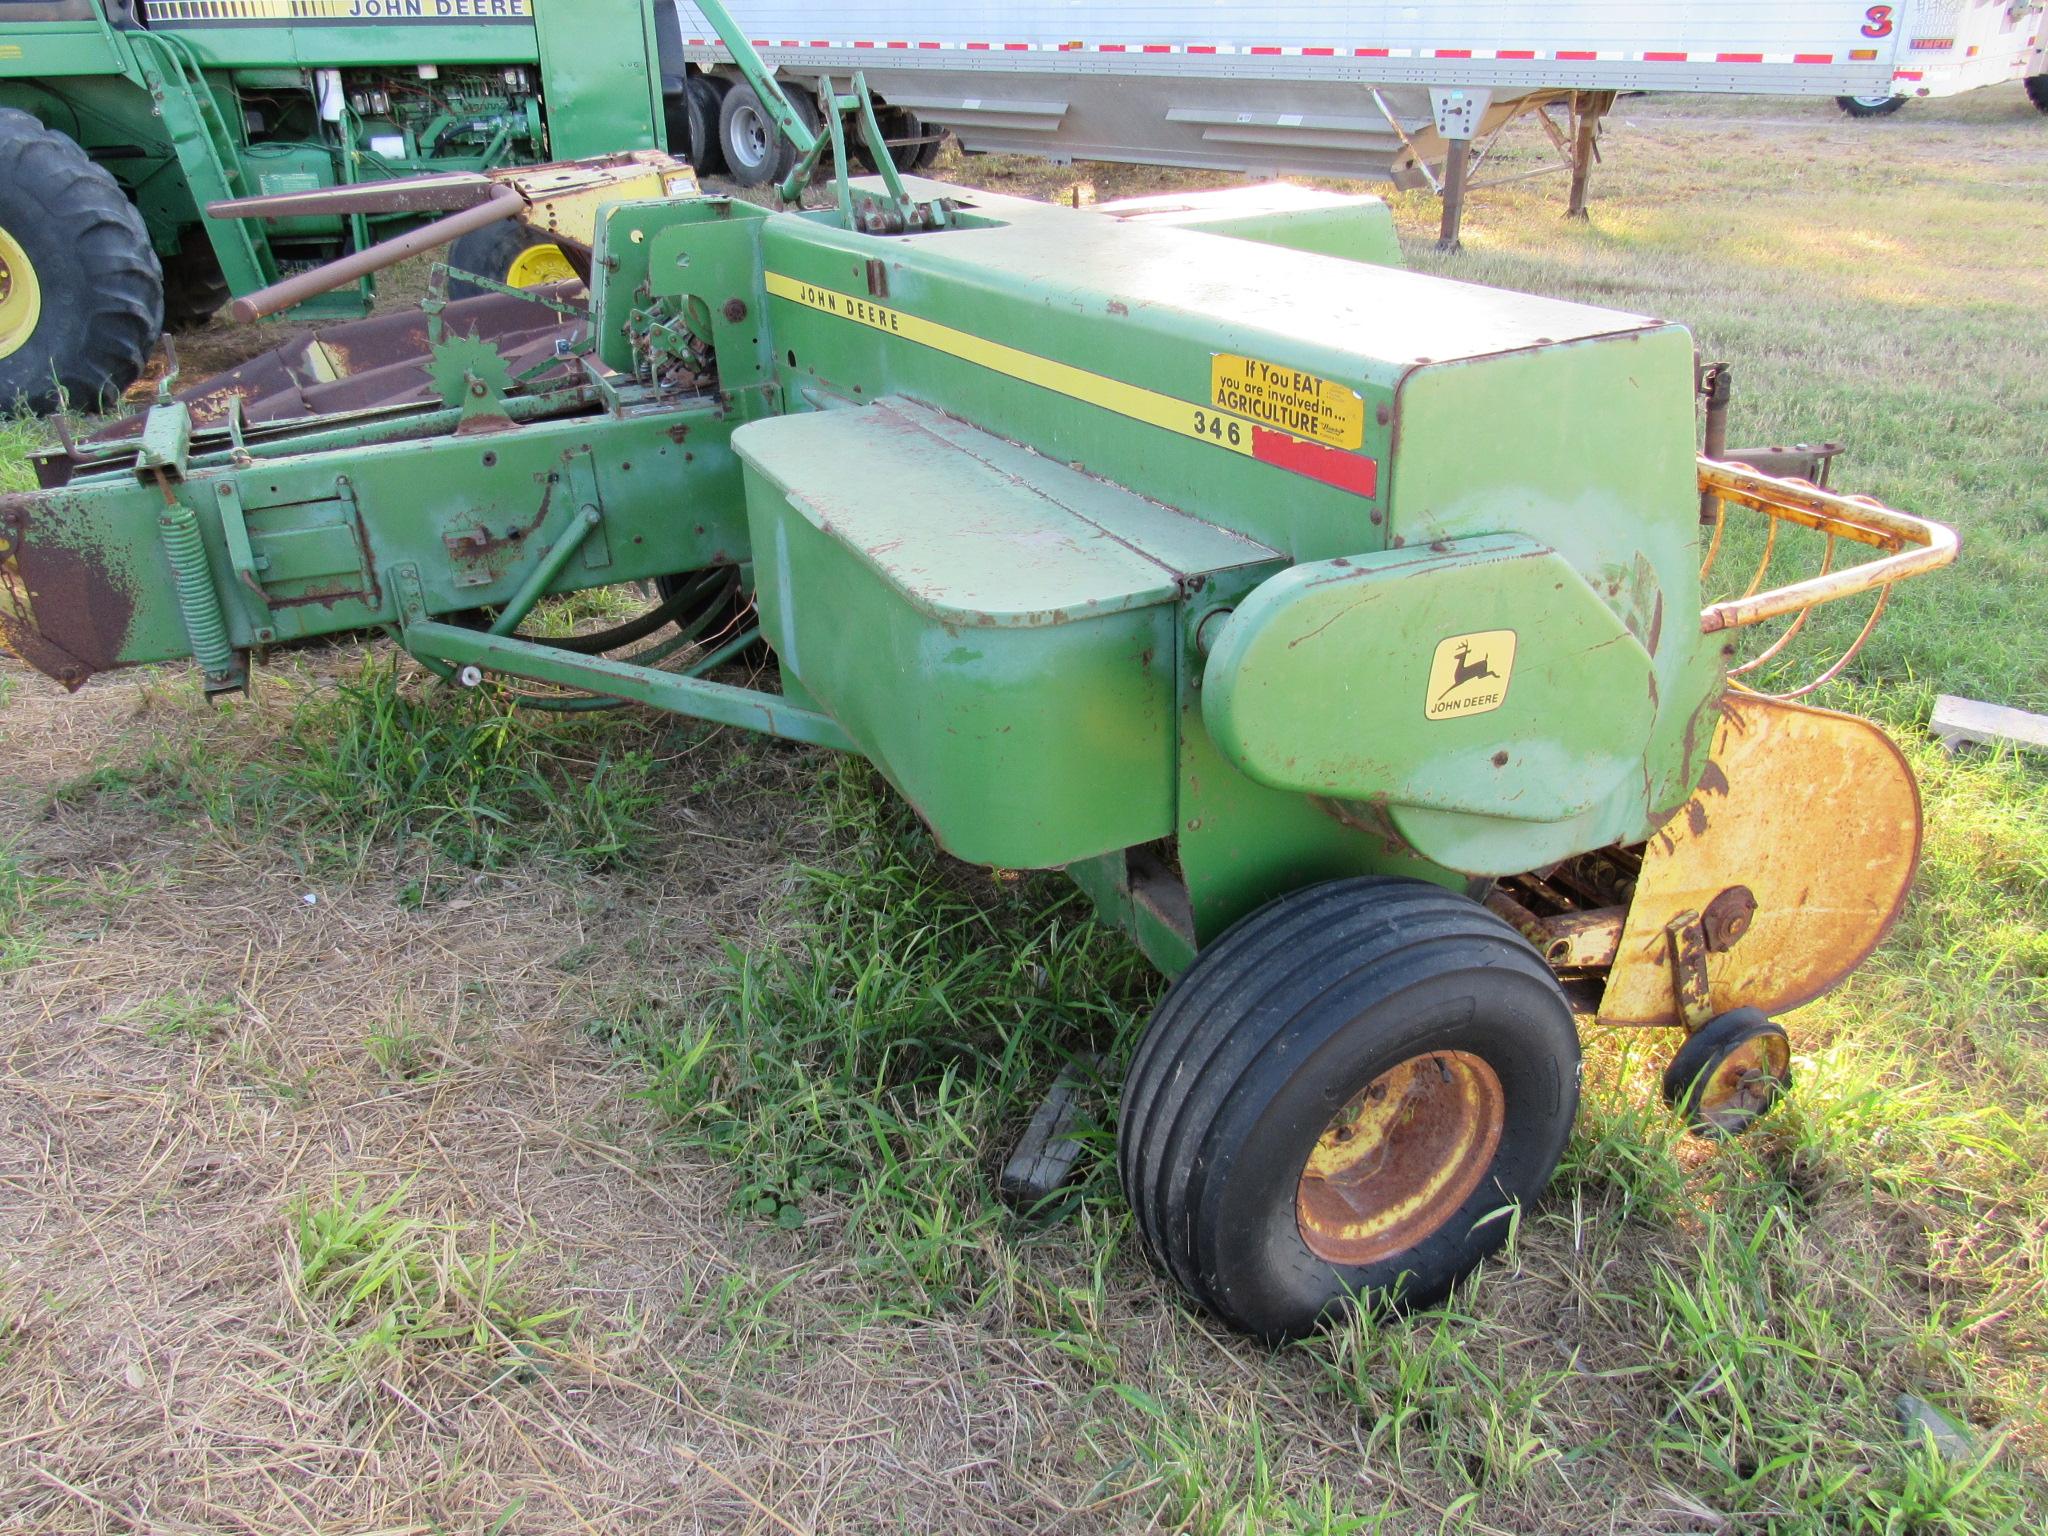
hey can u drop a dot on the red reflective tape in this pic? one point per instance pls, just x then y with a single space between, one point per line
1201 48
1576 53
1109 47
1265 50
1318 461
1453 53
819 42
1813 58
1905 74
979 47
1016 47
1369 53
930 45
1738 58
863 45
1516 53
1664 58
1159 47
1320 53
899 45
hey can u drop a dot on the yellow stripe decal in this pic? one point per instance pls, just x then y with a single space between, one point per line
1198 420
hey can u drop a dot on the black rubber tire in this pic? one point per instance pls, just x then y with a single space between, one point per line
895 123
1693 1064
2037 92
489 252
705 95
755 152
195 288
101 285
1273 1029
1870 106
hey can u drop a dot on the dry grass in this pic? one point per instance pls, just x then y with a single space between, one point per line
202 1066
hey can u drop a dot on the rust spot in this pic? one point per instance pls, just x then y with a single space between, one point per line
1500 759
680 432
1119 307
735 310
59 612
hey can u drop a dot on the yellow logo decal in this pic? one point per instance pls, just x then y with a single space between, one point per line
1288 400
1470 673
10 50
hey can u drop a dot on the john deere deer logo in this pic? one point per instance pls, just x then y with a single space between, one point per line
1469 674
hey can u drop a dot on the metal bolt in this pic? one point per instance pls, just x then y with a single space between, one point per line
470 676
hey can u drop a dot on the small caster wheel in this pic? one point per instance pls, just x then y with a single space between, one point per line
1342 1101
1729 1073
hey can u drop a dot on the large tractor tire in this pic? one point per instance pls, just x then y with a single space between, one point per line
1870 106
507 252
2037 92
756 153
1344 1101
81 293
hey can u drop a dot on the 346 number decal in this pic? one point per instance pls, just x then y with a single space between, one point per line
1877 21
1220 428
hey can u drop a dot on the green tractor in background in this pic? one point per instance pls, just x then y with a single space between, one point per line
122 120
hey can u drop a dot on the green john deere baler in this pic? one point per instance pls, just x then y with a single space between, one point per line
1339 629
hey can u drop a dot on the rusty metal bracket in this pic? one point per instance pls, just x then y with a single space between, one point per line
1687 936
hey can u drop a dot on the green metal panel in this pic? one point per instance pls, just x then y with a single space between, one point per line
1013 675
1452 675
1534 442
599 77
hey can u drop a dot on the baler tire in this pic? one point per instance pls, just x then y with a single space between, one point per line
1870 106
755 151
490 252
1258 1054
2037 92
79 322
1731 1072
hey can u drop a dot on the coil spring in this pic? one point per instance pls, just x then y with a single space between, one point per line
205 626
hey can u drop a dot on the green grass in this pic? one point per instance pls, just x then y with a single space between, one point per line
396 1290
383 757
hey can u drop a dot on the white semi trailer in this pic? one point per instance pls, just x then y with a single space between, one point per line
1401 91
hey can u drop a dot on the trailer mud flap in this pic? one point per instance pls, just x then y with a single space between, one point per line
1795 854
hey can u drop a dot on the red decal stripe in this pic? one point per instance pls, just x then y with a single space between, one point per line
1664 58
1320 53
1370 53
1813 58
1575 53
1454 53
1318 461
1159 47
1738 58
1109 47
1516 53
1265 50
1201 48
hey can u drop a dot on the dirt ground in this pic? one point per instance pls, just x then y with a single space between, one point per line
208 1040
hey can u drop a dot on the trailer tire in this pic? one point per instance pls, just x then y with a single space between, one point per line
2037 92
500 252
1870 106
195 288
1266 1057
82 299
756 153
703 96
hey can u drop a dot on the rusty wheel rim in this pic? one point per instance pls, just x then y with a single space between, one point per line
1397 1161
1745 1083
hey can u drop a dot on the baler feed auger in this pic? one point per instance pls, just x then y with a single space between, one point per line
1338 629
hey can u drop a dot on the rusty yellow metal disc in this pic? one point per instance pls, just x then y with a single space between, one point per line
1400 1159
